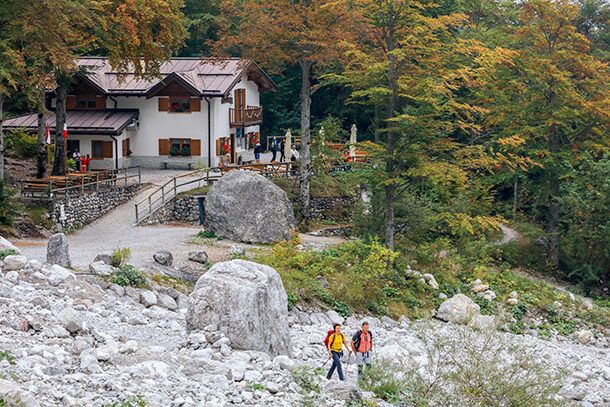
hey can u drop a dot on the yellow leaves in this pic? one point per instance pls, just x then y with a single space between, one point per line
511 141
442 173
462 224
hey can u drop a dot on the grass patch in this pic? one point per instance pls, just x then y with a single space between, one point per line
185 287
129 276
39 215
133 401
7 252
8 356
120 256
207 234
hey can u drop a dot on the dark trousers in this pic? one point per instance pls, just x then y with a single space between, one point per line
282 156
336 365
274 151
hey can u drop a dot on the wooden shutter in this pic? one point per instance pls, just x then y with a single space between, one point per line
107 149
163 146
195 147
195 105
125 147
71 102
218 144
164 104
100 102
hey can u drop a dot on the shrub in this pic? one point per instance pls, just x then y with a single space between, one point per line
309 380
21 144
206 234
128 275
8 356
8 204
120 256
7 252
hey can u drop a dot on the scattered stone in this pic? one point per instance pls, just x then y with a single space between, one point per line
164 258
165 301
237 250
100 268
58 251
458 309
148 298
105 257
323 282
430 280
584 336
488 295
478 288
15 262
12 276
242 296
58 275
231 214
13 395
198 257
71 320
512 301
350 393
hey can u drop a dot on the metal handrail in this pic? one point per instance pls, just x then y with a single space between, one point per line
153 202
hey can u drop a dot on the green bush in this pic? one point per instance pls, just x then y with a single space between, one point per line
8 204
21 144
129 276
120 256
7 252
8 356
206 234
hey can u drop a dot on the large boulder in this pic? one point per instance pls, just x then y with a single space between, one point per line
458 309
58 251
247 302
246 207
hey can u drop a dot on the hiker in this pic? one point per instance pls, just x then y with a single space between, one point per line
274 148
76 156
362 345
257 152
294 155
88 162
334 342
282 148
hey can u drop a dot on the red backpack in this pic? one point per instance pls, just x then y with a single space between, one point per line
327 339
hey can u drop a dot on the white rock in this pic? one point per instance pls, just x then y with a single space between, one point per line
13 395
283 362
71 319
253 376
6 245
584 336
148 298
478 288
488 295
15 262
12 276
483 322
88 361
58 275
431 280
165 301
458 309
100 268
334 317
512 301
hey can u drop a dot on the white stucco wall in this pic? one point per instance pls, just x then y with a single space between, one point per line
87 148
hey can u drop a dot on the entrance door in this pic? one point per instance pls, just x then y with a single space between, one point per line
240 104
73 145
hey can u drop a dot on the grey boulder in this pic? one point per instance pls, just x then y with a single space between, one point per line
198 256
6 245
246 207
164 258
247 302
458 309
15 262
58 251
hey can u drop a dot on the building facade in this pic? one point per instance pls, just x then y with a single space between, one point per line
200 112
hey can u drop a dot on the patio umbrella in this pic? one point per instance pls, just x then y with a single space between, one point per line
353 138
288 145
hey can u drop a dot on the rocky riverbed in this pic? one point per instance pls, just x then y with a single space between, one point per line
74 340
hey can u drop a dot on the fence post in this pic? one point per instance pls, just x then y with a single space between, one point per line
125 176
139 174
149 205
175 187
97 181
137 217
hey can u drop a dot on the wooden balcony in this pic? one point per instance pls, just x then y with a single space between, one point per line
250 116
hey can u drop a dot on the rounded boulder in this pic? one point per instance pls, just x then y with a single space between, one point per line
246 207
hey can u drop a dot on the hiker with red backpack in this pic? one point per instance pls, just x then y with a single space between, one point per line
362 345
334 343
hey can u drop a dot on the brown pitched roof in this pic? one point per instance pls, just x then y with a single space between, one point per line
210 76
110 122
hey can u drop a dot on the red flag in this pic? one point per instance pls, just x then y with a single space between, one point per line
65 130
48 134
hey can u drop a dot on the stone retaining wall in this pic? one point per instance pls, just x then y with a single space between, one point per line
336 208
77 211
182 209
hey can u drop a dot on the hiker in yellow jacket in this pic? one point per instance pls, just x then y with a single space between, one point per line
336 342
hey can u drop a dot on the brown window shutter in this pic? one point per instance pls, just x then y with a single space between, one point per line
218 144
195 105
195 147
107 149
100 102
125 147
164 104
71 102
163 146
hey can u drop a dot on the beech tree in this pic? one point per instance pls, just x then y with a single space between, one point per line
283 33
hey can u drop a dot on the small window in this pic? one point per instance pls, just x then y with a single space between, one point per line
101 149
180 104
86 102
180 147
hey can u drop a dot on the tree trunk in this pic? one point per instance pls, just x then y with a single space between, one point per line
390 188
515 195
305 169
59 158
41 158
553 223
1 137
376 124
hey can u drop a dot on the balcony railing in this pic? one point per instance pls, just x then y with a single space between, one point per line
249 116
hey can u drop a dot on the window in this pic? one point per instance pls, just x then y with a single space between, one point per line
101 149
179 104
85 102
180 146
